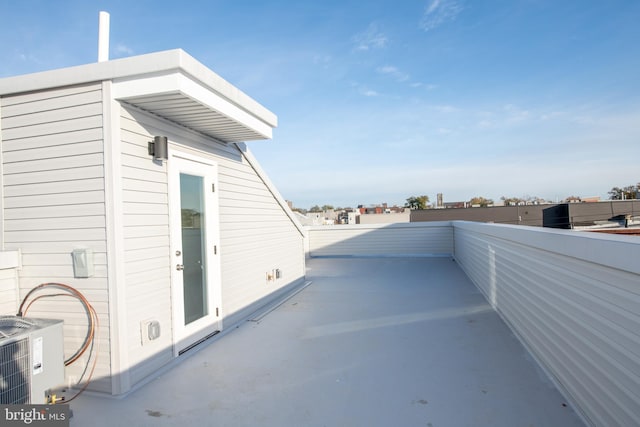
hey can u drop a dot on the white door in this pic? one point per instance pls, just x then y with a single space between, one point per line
195 266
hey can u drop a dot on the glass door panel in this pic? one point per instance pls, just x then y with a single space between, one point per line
193 232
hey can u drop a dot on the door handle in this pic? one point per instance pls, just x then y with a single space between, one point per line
179 267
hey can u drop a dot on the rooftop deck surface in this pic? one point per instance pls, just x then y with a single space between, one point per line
371 342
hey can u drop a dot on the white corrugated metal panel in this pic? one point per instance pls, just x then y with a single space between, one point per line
434 238
194 97
52 153
579 317
187 112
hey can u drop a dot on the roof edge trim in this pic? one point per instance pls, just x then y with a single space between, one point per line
175 60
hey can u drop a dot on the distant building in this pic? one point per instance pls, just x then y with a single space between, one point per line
389 218
593 215
455 205
519 215
382 214
380 209
584 215
592 199
321 218
331 217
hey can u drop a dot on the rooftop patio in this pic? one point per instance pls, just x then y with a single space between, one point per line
375 341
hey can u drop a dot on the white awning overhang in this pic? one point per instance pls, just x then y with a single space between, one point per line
180 99
171 85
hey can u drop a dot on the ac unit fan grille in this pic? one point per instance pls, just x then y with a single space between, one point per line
14 373
10 326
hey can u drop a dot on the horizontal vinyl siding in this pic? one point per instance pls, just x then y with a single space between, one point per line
580 319
146 247
256 235
381 240
8 291
53 185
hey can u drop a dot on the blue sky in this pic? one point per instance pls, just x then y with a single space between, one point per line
381 100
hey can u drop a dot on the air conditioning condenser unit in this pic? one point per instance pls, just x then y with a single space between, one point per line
31 359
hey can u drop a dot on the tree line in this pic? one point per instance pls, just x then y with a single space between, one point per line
422 202
616 193
625 193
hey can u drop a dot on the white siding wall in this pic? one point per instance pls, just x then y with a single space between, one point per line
256 234
146 243
574 300
435 238
146 247
52 153
8 291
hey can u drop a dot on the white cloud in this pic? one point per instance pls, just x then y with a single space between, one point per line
371 38
439 12
123 50
506 116
28 57
363 90
551 115
322 60
445 108
387 69
394 72
368 92
515 114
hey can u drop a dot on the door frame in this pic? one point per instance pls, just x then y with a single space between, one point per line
185 336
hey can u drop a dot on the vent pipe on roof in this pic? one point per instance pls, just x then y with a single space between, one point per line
103 37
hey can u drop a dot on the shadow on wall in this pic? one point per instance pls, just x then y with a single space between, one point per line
146 122
159 357
399 239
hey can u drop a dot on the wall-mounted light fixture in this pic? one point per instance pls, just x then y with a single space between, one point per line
158 148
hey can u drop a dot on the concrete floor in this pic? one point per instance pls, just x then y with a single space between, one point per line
371 342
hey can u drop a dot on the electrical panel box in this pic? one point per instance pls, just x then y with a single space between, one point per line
83 263
31 359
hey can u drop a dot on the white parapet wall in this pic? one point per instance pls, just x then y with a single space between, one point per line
403 239
573 298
